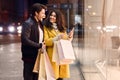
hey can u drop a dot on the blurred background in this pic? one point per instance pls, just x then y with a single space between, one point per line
14 12
96 39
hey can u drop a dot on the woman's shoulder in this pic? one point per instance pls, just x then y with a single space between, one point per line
45 27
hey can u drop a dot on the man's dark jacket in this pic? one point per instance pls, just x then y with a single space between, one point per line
30 40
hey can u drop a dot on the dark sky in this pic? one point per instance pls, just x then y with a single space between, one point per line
41 1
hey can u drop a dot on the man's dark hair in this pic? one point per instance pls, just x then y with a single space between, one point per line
37 7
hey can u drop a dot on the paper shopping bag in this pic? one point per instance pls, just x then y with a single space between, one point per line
39 66
42 70
55 57
50 75
65 51
43 67
37 63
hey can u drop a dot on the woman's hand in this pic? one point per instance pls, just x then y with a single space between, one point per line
70 34
58 37
61 36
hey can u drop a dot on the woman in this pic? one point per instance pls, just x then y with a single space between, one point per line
54 30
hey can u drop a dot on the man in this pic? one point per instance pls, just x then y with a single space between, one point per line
32 40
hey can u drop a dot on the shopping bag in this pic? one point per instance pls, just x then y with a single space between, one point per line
55 57
50 75
43 67
42 72
37 63
65 52
39 66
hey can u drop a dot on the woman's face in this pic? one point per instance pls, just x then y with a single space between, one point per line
53 17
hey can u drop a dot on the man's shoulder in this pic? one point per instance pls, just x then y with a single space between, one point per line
29 21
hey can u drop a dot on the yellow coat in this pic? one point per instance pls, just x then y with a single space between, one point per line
61 71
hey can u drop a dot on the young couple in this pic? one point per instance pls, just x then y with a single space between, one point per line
37 34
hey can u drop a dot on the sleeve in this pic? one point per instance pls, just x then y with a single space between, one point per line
47 37
25 37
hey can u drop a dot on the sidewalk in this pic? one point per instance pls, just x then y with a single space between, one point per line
75 72
11 64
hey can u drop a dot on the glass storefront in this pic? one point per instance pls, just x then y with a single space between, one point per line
101 53
96 37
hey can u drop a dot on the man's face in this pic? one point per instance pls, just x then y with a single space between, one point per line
41 15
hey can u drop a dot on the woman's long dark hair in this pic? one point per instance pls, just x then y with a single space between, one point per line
60 21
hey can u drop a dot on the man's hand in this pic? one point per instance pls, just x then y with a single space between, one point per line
43 45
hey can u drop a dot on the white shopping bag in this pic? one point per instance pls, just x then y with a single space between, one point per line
50 75
63 52
55 57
